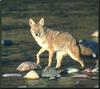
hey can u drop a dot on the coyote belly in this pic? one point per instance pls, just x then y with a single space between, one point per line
62 43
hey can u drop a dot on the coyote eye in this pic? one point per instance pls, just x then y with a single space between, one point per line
37 34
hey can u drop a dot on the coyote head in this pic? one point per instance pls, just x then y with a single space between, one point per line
37 29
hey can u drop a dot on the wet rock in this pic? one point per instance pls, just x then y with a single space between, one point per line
6 42
94 46
95 34
31 75
96 86
12 75
87 71
52 78
50 73
68 71
95 70
25 66
72 70
95 78
80 76
22 86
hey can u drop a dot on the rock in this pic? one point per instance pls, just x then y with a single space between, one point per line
52 78
25 66
22 86
94 46
7 42
88 71
81 76
68 71
95 34
96 86
50 73
72 70
12 75
95 78
95 70
31 75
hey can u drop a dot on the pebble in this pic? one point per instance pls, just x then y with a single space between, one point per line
94 78
12 75
22 87
79 76
7 42
69 70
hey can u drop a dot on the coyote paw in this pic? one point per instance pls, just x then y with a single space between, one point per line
47 67
57 68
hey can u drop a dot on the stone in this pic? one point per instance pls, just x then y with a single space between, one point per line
25 66
81 76
31 75
88 71
7 42
72 70
22 86
95 78
68 71
50 73
95 34
11 75
96 69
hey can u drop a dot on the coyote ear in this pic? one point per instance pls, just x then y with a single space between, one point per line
31 22
41 22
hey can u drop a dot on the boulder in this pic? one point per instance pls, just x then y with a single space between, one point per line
25 66
31 75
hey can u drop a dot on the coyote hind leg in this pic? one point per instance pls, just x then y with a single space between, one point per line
59 58
75 55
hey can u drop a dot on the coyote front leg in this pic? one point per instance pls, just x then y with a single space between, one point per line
38 54
51 52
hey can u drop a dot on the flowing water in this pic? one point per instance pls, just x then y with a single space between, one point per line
79 17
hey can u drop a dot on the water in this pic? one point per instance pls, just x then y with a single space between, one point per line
78 17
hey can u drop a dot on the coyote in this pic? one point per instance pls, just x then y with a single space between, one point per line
62 43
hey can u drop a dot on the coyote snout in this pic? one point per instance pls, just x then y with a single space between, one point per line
62 43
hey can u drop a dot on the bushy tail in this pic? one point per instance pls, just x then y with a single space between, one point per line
85 51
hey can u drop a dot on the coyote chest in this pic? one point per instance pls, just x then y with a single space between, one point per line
41 42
